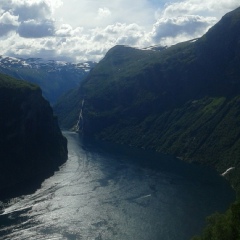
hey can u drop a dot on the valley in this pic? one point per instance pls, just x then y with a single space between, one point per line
180 100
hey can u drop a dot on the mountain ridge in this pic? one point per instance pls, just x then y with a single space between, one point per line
145 98
182 100
54 77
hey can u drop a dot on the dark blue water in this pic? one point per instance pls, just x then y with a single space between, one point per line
109 192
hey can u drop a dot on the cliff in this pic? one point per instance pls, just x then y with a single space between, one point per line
32 145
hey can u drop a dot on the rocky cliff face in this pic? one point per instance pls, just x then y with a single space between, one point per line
32 145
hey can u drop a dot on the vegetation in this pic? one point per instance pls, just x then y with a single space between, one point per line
32 145
182 100
68 105
7 82
223 226
54 80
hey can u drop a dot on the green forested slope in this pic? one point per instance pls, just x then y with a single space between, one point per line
32 145
183 100
54 78
223 226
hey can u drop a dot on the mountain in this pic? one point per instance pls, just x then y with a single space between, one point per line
32 145
54 77
182 99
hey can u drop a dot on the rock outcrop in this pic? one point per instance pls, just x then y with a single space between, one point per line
31 143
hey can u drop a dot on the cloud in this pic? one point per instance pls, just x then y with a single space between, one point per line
189 25
201 7
103 12
119 33
91 14
65 30
8 23
29 18
52 4
36 29
85 30
32 10
9 19
184 20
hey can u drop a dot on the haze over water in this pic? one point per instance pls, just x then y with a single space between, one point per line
110 192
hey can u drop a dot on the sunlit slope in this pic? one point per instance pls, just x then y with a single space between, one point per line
183 99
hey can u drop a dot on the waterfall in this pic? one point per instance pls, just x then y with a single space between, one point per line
79 125
227 171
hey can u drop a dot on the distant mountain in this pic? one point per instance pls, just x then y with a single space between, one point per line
54 77
31 144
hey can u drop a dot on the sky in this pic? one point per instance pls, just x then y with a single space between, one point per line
84 30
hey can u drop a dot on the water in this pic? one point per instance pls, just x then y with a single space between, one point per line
107 192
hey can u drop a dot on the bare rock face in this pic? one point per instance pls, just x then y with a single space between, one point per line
32 146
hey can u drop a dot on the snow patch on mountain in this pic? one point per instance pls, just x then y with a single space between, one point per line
36 63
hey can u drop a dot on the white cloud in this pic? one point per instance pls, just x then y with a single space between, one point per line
86 13
184 20
103 12
9 19
36 29
32 10
191 26
203 7
65 30
34 17
52 5
85 30
8 23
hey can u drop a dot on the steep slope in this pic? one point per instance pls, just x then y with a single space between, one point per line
54 77
32 145
183 99
68 108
